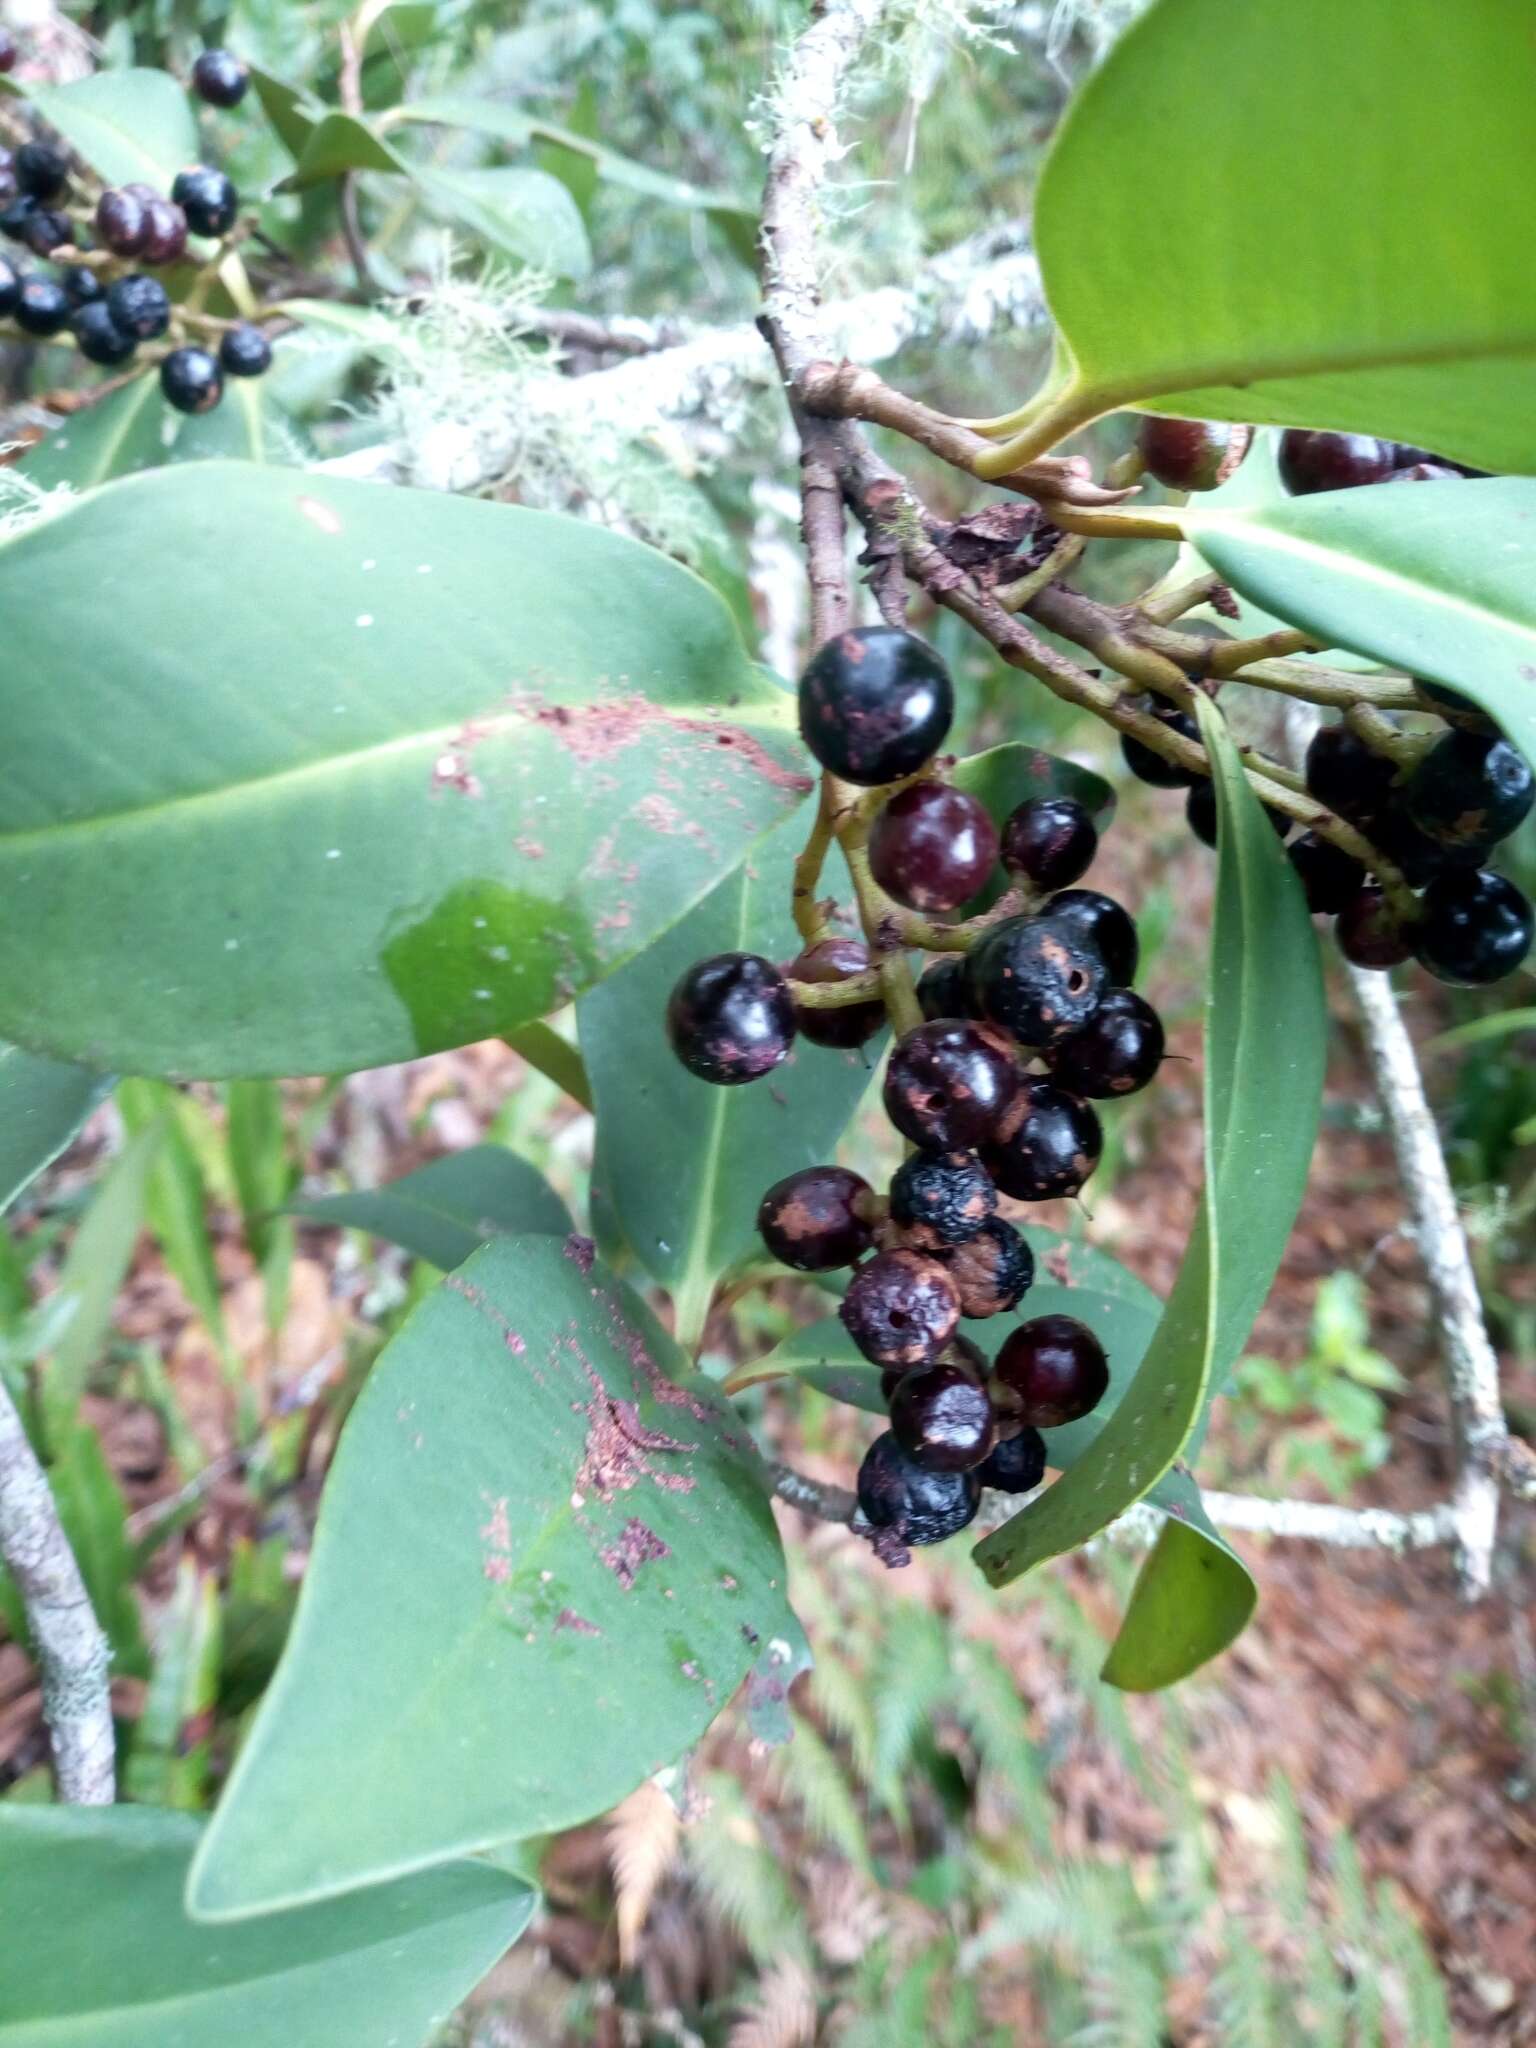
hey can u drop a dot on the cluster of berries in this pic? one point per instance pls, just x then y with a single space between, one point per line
1439 820
108 317
994 1091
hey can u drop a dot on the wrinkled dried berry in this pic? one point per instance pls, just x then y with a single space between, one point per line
1369 935
1191 455
1149 766
911 1504
1034 977
1016 1464
1050 841
932 847
1472 929
992 1272
941 1198
1050 1371
1097 920
731 1018
947 1084
1117 1051
1471 789
814 1220
1329 876
1048 1145
942 1418
850 1024
875 704
901 1308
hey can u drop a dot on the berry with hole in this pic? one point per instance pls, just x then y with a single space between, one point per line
1035 978
947 1084
932 847
1472 929
245 351
1368 932
993 1271
850 1024
1117 1051
40 170
1049 1372
942 1418
220 79
1047 1146
1321 461
1104 926
98 336
1329 876
43 307
875 704
901 1308
814 1220
1191 455
1146 764
731 1018
1049 841
1016 1464
908 1502
941 1198
1471 789
207 198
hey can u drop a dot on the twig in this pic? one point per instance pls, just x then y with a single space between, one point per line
72 1652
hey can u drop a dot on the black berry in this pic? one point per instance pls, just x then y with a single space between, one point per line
164 239
1049 1371
1048 1145
1050 841
1329 876
901 1308
1453 707
813 1220
220 78
1098 921
207 198
875 704
10 296
1016 1464
1203 813
1036 978
82 286
1347 776
943 989
1150 766
1368 933
909 1503
849 1024
941 1198
1471 789
1191 455
245 352
43 306
14 218
47 229
730 1018
1318 461
40 170
993 1271
120 221
942 1419
1117 1051
98 336
932 847
7 176
947 1084
139 306
1472 928
190 379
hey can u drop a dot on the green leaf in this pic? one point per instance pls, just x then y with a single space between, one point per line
525 213
129 431
172 1738
128 125
491 752
382 1970
682 1164
292 120
1502 1024
542 1568
1436 579
1290 253
258 1158
1193 1597
177 1200
248 425
336 144
43 1103
94 1269
555 1057
1007 776
445 1212
1265 1040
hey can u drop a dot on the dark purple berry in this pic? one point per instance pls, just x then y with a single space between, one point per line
40 170
43 307
1049 1371
10 298
82 286
1050 841
120 222
46 230
1048 1144
993 1271
813 1220
207 198
875 704
730 1018
1117 1051
98 336
1191 455
1016 1464
139 306
849 1024
8 50
1455 708
220 78
941 1198
941 1417
948 1083
1100 923
1036 978
943 989
1320 461
245 352
1471 789
1347 776
932 847
915 1506
1472 929
1329 876
1368 933
165 233
901 1308
1149 766
1204 815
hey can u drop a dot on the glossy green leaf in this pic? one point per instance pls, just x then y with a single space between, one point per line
100 1953
292 119
555 1057
1265 1041
336 144
43 1103
176 1206
128 125
1438 579
542 1567
259 1163
472 824
446 1211
1193 1597
1298 250
523 212
127 432
94 1269
683 1164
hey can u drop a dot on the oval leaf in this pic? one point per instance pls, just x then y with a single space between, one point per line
131 430
1328 262
525 213
542 1567
445 1212
377 1971
128 125
470 757
42 1105
1193 1598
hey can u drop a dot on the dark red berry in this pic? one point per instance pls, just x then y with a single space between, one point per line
1426 473
1368 933
47 230
1050 841
1117 1051
731 1018
941 1198
191 380
207 198
1050 1371
120 222
8 50
1149 766
10 298
909 1503
993 1271
814 1221
1048 1145
1472 929
959 1351
1329 876
245 351
875 704
932 847
164 239
1471 789
1455 708
850 1024
1036 978
220 78
1191 455
40 170
1107 927
901 1308
42 307
943 989
942 1418
139 307
1016 1463
1347 776
947 1084
98 336
1320 461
